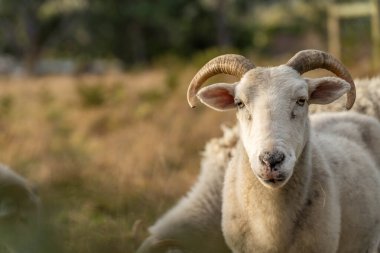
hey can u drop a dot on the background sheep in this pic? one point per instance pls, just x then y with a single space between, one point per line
19 213
367 102
272 194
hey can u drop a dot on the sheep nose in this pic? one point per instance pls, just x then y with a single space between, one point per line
271 159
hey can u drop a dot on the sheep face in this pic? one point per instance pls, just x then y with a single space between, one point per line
272 110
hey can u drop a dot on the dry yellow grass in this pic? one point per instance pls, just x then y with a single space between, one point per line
109 154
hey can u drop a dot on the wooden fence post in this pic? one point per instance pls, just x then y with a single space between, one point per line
337 11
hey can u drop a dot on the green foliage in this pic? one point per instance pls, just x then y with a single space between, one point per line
92 95
172 80
151 96
98 94
6 104
357 37
139 32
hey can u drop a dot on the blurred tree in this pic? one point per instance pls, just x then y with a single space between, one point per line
220 7
28 25
138 31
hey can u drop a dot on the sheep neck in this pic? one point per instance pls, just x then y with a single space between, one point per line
270 216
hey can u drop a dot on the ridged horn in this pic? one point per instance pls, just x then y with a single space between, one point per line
307 60
232 64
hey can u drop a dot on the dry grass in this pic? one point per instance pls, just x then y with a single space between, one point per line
109 154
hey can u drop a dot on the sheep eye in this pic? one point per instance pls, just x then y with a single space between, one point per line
301 101
239 103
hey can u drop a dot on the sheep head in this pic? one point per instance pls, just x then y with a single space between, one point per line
272 108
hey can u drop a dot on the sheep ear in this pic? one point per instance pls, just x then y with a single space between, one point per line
326 89
218 96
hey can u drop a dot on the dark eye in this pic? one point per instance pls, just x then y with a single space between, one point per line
301 101
239 103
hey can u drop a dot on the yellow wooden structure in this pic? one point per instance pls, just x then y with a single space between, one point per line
337 11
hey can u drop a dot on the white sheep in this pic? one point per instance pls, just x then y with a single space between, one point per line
19 212
217 150
291 187
194 224
368 95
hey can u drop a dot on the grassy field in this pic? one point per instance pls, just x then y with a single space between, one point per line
108 154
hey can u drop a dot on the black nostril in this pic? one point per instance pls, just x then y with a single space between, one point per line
271 159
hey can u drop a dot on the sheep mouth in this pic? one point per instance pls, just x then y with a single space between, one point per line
272 180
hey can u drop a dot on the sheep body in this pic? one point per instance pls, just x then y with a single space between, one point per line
315 212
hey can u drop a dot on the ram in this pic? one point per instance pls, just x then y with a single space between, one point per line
217 155
295 185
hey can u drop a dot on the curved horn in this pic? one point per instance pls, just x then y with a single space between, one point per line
307 60
232 64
